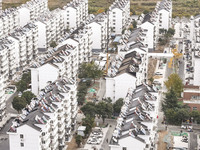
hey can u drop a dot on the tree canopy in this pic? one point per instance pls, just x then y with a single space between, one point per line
174 82
28 96
90 70
104 110
117 106
79 140
19 103
89 109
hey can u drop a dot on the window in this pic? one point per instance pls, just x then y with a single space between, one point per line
43 142
114 13
22 144
21 136
43 134
113 20
194 108
124 148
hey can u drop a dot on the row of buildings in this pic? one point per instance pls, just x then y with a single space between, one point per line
49 120
136 124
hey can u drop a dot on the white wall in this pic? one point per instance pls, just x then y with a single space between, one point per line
149 34
118 20
165 19
96 35
42 39
31 139
40 76
110 88
122 83
72 17
197 72
118 86
24 16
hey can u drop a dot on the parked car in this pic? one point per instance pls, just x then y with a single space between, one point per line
158 74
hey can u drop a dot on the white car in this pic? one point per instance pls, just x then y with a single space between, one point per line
158 74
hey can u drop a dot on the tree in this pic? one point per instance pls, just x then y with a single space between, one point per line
171 116
117 106
170 101
79 140
104 110
88 121
134 24
145 12
89 109
182 115
53 44
174 82
151 79
21 86
171 32
19 103
90 70
27 77
28 96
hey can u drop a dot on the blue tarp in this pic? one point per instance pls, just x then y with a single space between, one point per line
117 38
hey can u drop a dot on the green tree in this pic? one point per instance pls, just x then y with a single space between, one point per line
28 96
170 101
134 24
174 82
79 140
195 115
89 109
90 70
27 77
88 121
118 105
21 86
53 44
19 103
145 12
151 79
183 114
171 32
104 110
171 116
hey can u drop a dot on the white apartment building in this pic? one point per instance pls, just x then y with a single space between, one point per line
100 35
47 123
60 62
9 47
119 16
163 11
126 71
148 32
136 124
26 45
31 10
2 99
75 13
9 21
82 38
50 28
195 31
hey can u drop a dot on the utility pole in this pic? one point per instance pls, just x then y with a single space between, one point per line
107 46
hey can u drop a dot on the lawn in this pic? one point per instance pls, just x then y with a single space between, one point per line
180 7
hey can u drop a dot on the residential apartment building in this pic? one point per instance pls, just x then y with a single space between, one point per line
49 119
195 31
119 16
126 71
50 28
10 60
26 44
100 35
136 124
31 10
2 99
0 6
9 21
59 62
75 13
82 38
163 11
191 97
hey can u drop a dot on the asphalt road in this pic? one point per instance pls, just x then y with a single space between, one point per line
9 108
